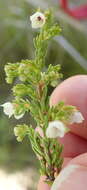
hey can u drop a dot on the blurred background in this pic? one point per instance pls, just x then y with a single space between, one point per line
18 165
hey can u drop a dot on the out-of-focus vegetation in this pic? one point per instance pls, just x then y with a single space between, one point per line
15 44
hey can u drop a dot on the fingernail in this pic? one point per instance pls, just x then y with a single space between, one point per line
63 176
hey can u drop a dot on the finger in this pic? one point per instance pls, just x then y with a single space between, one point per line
73 145
42 185
81 160
73 91
74 176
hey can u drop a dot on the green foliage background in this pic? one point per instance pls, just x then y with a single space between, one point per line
15 44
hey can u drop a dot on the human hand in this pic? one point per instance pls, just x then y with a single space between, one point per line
73 91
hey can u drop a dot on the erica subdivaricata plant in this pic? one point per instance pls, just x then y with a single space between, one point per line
31 95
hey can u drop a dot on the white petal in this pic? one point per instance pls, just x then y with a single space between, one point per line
37 20
19 116
16 131
56 129
8 108
77 117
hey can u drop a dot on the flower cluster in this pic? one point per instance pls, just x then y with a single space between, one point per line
59 129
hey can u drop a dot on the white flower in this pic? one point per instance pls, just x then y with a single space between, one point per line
19 116
37 20
8 108
56 129
76 117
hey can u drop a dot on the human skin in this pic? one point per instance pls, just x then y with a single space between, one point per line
73 91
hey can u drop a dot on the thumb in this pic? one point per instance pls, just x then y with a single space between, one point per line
74 176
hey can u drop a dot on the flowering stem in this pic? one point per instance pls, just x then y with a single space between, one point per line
31 95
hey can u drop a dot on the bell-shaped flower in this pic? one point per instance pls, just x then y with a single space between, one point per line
37 20
76 117
8 108
56 129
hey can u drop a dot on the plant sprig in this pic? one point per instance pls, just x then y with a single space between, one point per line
31 95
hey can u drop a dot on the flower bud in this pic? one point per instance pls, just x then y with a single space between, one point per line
20 132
